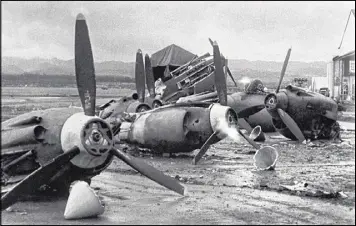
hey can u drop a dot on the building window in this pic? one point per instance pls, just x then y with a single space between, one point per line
352 66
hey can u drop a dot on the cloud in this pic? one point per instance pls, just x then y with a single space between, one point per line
244 30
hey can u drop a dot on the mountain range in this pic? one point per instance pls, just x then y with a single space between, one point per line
55 66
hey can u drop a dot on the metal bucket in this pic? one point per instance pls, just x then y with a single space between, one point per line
257 134
266 158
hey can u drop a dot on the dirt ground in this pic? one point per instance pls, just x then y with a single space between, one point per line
224 188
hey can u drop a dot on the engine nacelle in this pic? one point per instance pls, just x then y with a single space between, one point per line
137 106
178 129
92 135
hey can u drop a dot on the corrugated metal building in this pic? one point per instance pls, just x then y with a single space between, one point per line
341 70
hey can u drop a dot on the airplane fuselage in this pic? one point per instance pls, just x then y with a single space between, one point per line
315 114
43 133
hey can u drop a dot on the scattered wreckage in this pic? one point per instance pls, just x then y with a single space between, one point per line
183 125
293 112
55 147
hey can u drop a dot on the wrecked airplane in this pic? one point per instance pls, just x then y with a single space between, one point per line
54 147
179 127
299 114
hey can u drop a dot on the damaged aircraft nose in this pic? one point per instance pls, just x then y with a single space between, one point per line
222 118
274 101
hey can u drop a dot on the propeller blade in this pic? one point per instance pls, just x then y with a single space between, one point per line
250 111
211 42
230 74
150 172
220 80
37 178
150 83
291 124
253 143
283 69
84 66
140 76
204 148
244 124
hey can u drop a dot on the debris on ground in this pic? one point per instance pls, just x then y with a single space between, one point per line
9 209
306 189
344 144
265 158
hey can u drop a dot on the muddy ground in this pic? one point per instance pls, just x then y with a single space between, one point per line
224 188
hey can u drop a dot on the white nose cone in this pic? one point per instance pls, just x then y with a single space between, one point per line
82 202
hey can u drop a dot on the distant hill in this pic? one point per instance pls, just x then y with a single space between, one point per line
16 65
297 68
11 69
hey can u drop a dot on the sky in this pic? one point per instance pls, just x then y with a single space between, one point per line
243 30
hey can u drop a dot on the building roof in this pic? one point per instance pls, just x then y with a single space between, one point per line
172 55
350 55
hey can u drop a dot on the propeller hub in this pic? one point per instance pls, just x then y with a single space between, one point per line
271 102
96 136
274 101
92 135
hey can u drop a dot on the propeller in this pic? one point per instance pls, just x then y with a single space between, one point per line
221 88
137 164
244 124
86 86
245 113
274 102
220 83
230 74
37 178
253 143
222 94
291 124
150 83
140 76
250 111
284 69
150 172
227 68
85 76
211 42
84 66
205 147
220 80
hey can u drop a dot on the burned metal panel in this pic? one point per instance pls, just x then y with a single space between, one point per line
48 146
170 129
22 136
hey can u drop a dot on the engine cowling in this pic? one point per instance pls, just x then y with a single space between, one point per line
92 135
153 129
222 118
